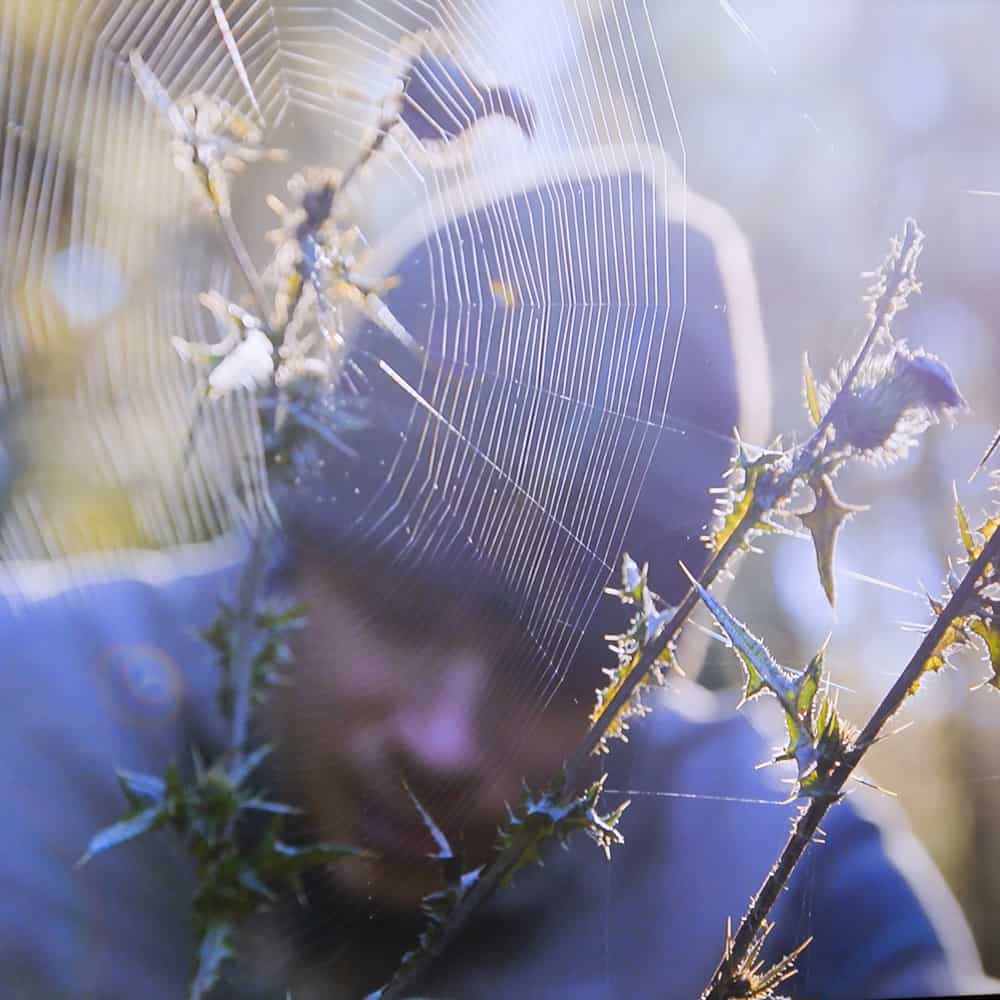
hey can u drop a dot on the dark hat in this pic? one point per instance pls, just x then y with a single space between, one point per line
589 339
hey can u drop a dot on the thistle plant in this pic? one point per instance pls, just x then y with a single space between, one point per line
873 408
830 750
288 343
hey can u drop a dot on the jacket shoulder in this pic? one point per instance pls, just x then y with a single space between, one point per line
101 670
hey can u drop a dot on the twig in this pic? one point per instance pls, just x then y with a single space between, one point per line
364 157
245 263
811 817
655 649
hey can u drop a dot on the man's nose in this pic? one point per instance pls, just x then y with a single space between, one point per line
439 731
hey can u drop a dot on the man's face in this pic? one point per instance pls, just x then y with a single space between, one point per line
397 682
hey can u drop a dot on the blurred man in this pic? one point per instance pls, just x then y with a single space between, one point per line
589 339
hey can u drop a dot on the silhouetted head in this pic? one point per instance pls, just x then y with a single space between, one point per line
575 396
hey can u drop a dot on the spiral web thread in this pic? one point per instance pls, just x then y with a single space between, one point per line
105 254
91 389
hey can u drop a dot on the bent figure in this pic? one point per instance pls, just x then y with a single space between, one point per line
589 340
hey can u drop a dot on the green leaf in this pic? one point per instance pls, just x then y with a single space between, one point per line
990 635
549 815
964 531
141 789
633 582
217 797
249 880
173 783
753 682
249 764
798 739
444 852
955 634
807 684
123 831
293 617
290 859
734 503
989 452
645 626
277 808
815 746
809 392
633 578
215 948
761 667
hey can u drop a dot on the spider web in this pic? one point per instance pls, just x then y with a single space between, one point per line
545 276
545 462
555 303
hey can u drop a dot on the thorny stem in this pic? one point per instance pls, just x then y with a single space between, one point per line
809 819
245 636
783 481
365 156
885 308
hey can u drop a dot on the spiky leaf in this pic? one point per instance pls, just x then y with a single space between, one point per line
551 816
633 581
141 790
124 831
990 634
809 392
643 628
824 522
214 949
806 685
955 634
989 452
249 764
735 503
444 851
762 670
964 531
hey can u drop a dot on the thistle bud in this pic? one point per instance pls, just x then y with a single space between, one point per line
892 401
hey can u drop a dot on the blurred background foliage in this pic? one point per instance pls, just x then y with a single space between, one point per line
819 125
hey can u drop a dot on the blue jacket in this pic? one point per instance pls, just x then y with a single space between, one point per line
110 674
